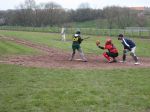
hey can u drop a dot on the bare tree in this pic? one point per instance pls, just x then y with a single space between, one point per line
51 10
119 16
51 14
27 13
110 14
84 6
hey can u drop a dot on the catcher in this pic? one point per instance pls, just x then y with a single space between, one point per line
112 51
76 46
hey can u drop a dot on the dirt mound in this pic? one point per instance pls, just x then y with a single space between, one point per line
56 58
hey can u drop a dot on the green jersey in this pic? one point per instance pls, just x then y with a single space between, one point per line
76 41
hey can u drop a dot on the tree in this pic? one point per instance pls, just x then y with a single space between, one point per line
84 6
110 14
51 13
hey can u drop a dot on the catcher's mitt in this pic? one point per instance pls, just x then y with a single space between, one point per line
97 42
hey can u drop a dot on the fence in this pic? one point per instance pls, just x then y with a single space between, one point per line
141 32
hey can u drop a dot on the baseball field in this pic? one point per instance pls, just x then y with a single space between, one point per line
36 75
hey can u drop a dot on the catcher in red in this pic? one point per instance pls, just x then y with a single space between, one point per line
112 50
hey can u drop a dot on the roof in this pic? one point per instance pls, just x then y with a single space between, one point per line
138 8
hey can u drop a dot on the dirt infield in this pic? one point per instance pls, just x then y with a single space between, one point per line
56 58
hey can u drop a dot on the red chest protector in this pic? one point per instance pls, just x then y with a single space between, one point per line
111 48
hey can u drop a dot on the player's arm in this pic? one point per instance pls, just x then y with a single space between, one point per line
126 45
98 45
101 47
80 40
125 48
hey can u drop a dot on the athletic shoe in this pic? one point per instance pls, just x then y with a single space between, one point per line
136 63
122 61
70 59
84 60
112 61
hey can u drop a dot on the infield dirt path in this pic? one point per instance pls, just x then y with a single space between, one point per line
56 58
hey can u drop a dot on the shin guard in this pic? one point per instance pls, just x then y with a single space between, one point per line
106 56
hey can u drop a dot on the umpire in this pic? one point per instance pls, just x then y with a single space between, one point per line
129 46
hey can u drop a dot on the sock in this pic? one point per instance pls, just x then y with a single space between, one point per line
124 57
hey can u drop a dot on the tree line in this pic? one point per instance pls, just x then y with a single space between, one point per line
52 14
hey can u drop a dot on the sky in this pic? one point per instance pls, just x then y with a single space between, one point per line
74 4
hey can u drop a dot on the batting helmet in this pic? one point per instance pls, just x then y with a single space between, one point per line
78 32
120 36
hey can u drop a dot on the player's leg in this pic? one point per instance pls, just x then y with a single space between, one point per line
125 51
113 55
73 52
82 54
106 55
64 37
134 55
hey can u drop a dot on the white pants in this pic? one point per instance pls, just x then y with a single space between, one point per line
63 37
132 50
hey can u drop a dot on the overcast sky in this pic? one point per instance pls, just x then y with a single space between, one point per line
73 4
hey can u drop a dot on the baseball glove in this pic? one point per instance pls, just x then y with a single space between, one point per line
97 42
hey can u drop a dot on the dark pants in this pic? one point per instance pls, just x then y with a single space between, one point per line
113 55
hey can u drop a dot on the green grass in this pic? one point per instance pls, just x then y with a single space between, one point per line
31 29
62 90
53 40
94 27
10 48
24 89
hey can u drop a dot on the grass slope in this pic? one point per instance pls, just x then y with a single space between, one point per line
62 90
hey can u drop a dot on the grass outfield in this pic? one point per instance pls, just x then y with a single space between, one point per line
24 89
62 90
9 48
53 40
